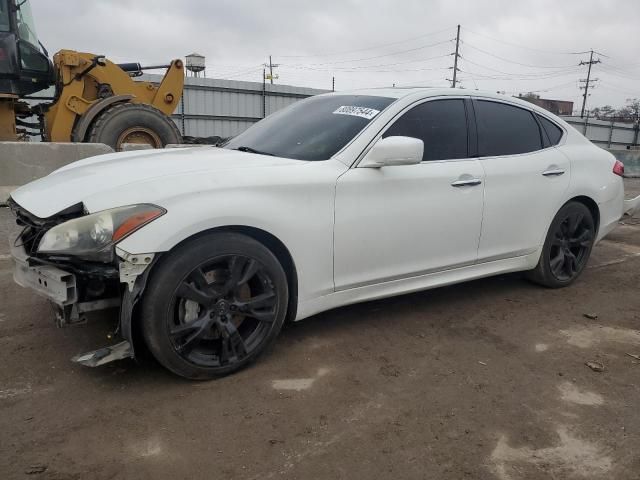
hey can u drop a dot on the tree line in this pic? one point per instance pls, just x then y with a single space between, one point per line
629 113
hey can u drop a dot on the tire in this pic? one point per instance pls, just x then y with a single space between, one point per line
567 247
133 123
206 315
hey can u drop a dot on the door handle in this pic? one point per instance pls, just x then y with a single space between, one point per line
554 172
472 182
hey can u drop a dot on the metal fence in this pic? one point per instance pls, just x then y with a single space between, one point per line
606 134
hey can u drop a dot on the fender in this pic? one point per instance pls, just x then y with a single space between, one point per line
83 124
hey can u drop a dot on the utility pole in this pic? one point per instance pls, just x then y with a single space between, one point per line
587 81
264 93
271 66
333 84
455 59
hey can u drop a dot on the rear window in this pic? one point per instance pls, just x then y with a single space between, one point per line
554 132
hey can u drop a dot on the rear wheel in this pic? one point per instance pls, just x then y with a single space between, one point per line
214 305
567 247
133 123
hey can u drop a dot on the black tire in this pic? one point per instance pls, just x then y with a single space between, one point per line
133 123
224 333
567 247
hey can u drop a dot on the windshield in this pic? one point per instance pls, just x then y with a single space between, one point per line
26 25
4 16
312 129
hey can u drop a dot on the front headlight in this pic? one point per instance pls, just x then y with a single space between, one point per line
92 236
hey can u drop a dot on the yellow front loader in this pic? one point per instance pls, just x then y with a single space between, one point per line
95 100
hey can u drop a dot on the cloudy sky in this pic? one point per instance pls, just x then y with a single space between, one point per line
506 45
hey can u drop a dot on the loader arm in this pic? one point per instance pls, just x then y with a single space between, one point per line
83 79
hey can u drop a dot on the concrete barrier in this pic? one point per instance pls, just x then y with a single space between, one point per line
22 162
631 160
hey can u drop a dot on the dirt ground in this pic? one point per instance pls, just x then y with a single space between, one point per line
485 380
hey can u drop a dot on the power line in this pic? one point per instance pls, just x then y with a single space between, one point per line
522 76
381 56
522 46
616 88
368 67
375 47
467 44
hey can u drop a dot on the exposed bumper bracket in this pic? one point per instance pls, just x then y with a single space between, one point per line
134 272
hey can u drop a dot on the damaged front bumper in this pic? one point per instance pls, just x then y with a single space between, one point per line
75 293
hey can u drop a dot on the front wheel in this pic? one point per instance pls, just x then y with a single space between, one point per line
567 247
213 305
133 123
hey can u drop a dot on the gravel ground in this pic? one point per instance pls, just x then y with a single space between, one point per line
481 380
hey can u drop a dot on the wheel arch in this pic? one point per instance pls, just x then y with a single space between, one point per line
81 128
591 204
271 242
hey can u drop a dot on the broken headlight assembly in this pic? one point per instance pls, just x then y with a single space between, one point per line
93 236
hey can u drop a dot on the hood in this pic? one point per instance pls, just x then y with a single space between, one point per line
75 182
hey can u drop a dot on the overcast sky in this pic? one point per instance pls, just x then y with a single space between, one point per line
507 45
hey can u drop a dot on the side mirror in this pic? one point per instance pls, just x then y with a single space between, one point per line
392 151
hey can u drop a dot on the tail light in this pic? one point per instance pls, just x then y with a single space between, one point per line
3 54
618 168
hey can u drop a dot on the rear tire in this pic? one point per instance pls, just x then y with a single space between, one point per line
133 123
567 247
214 305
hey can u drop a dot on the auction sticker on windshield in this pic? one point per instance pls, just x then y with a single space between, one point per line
363 112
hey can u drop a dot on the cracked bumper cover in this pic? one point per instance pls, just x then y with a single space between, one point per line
61 288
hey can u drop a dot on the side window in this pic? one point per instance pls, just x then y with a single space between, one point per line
505 130
553 131
440 124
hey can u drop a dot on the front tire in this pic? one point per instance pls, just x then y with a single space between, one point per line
567 247
214 305
135 123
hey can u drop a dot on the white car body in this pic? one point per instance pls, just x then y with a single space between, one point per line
353 233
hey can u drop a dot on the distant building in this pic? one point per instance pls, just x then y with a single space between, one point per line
559 107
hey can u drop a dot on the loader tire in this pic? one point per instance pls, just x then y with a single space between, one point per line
133 123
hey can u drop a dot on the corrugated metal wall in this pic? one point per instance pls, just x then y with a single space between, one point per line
227 107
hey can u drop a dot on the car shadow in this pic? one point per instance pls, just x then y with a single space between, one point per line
408 312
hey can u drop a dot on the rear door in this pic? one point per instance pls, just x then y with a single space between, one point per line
526 179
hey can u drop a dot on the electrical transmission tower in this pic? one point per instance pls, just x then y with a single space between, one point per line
587 81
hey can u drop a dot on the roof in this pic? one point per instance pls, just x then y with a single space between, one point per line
419 92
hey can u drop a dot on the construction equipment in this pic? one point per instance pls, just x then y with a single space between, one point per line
95 100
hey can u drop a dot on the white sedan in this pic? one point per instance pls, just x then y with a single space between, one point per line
337 199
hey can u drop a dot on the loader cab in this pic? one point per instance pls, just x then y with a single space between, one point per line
24 64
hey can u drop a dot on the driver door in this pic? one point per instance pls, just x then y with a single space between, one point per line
396 222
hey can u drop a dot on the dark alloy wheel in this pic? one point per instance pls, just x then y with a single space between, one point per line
214 305
567 247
